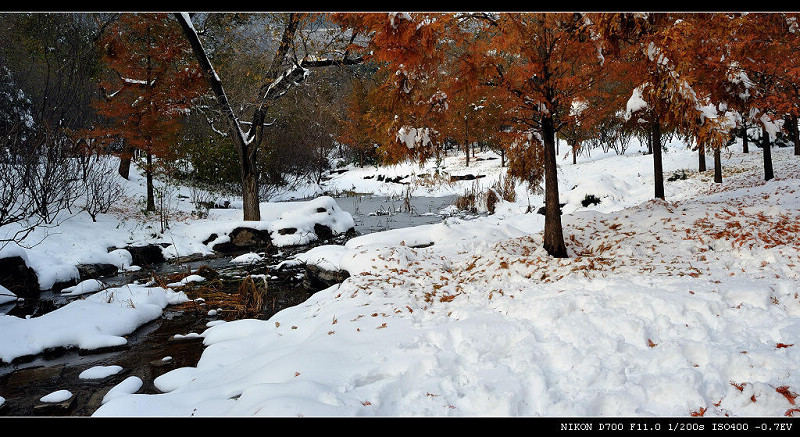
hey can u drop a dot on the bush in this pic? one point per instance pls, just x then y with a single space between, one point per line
678 175
590 199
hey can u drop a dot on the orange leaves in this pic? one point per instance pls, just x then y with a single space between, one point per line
152 83
790 396
783 390
698 413
744 229
791 412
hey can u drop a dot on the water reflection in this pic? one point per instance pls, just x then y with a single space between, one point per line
381 213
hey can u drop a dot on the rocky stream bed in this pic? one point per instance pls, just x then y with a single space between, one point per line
167 343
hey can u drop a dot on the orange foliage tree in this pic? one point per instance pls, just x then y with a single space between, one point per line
661 64
539 66
356 128
408 104
149 87
533 66
764 48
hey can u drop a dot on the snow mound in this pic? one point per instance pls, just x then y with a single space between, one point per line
100 320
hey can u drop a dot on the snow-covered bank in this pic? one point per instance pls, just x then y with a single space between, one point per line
100 320
676 308
55 252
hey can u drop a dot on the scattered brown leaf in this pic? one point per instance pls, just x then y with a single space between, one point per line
698 413
784 390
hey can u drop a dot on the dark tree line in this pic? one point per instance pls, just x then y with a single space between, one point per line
48 63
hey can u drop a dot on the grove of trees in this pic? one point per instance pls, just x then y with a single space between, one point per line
246 102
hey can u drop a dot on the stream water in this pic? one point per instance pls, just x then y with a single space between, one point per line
381 213
162 345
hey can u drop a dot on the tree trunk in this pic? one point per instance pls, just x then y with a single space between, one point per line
250 201
151 205
765 146
745 148
717 165
658 171
575 154
795 134
553 233
701 154
125 166
125 157
466 138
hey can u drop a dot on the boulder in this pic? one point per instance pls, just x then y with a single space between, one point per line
146 255
560 208
243 238
94 271
317 278
18 278
466 177
323 232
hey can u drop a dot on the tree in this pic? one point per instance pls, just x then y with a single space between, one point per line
151 85
285 71
533 66
356 127
544 64
54 59
49 64
764 55
662 66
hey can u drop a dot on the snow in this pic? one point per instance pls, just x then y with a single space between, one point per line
83 287
247 258
100 320
99 372
635 102
187 280
6 295
57 396
129 385
664 308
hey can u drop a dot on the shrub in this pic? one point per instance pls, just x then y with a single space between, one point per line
590 199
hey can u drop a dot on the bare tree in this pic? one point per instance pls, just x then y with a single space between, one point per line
45 92
285 71
102 189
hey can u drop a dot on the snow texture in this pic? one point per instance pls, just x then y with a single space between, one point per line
664 308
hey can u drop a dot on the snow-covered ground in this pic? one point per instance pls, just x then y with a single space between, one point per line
681 307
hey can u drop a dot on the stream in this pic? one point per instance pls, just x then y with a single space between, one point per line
163 345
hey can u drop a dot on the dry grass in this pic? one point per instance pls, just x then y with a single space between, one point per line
252 297
233 299
476 199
